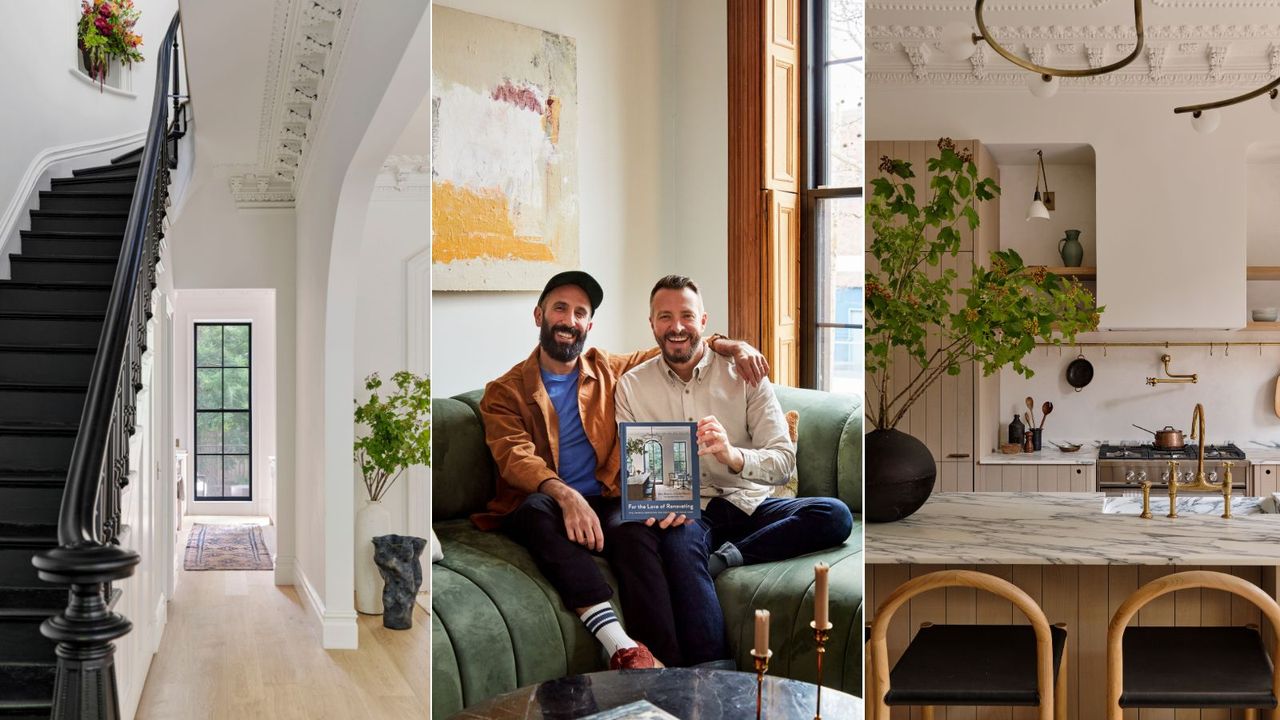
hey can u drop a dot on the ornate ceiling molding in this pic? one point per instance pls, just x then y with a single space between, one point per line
404 177
307 37
1182 56
927 6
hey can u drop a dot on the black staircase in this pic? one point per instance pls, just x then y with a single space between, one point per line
72 334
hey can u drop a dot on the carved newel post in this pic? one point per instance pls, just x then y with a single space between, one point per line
397 557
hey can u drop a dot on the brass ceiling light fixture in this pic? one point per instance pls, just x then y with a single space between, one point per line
959 43
1205 117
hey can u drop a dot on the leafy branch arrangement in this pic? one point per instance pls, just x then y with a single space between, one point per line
398 431
105 31
1005 309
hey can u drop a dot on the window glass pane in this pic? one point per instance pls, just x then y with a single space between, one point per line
236 392
844 29
840 276
208 389
844 143
208 345
236 475
208 433
235 346
209 476
237 432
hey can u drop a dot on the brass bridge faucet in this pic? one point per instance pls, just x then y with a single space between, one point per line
1200 481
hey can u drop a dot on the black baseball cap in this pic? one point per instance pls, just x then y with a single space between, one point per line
579 278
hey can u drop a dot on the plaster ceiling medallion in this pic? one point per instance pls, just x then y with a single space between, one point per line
306 45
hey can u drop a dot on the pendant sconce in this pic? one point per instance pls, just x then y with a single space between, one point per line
1040 205
1205 117
959 43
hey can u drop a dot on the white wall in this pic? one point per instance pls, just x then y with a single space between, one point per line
1037 241
652 177
1165 194
257 307
215 246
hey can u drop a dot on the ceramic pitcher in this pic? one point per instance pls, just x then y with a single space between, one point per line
1070 249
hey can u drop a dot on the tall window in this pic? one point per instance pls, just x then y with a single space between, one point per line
678 457
224 412
833 204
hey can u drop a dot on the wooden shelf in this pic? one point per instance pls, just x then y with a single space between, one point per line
1254 326
1263 272
1085 273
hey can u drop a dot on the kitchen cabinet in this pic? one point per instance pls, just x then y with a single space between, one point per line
1008 477
1264 479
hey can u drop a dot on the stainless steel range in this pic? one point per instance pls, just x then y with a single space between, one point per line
1123 468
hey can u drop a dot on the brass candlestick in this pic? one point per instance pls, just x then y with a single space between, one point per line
820 634
762 667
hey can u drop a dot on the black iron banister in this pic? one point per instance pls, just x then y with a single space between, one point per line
89 557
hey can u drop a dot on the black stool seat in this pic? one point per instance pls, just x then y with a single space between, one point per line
971 665
1196 667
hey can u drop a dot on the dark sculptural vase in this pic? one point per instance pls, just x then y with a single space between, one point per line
397 560
899 475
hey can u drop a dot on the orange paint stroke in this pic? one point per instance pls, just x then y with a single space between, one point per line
476 225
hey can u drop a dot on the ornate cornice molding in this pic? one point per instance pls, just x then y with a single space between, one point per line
925 5
307 37
404 177
1183 56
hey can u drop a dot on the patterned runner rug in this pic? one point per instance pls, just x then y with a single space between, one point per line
226 547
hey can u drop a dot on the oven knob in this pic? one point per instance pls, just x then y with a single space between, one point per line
1213 476
1189 476
1142 476
1164 476
1128 477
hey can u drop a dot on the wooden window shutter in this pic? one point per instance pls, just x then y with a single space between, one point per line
764 172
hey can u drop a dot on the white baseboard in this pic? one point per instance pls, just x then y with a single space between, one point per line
338 629
286 570
162 620
61 158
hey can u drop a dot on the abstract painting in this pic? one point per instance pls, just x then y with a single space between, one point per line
504 175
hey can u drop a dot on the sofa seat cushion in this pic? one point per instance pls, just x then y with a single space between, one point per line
785 589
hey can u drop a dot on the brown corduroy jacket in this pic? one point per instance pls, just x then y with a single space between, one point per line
522 430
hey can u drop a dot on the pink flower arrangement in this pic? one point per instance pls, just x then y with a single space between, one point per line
105 32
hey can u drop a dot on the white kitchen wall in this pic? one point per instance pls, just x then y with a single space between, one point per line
1037 240
652 177
1167 197
1236 386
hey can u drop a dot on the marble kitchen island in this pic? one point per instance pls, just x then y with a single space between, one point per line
1078 563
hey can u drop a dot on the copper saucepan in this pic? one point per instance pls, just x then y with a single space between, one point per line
1167 438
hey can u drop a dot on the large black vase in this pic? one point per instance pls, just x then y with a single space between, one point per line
899 475
397 560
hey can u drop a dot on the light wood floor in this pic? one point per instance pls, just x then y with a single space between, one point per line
237 646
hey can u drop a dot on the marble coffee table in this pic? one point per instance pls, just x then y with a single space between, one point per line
683 692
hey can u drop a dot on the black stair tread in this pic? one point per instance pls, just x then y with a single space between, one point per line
50 428
71 235
132 164
79 213
57 284
31 602
99 259
78 349
99 194
32 479
44 386
53 314
24 535
26 686
88 179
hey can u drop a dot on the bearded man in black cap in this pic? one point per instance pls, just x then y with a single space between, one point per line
549 422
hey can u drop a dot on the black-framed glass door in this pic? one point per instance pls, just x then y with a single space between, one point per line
223 393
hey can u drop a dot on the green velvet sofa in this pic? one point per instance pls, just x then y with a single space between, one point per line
497 624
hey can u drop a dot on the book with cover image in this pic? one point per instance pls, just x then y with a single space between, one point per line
659 469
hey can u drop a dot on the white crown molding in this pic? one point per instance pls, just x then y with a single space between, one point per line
404 177
948 6
307 37
1183 56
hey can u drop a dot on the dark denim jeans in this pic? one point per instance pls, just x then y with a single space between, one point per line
780 528
668 599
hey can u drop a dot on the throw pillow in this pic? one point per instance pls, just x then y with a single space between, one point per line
793 485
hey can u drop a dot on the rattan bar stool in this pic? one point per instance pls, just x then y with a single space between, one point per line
969 664
1191 667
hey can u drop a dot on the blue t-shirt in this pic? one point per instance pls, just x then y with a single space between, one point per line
577 457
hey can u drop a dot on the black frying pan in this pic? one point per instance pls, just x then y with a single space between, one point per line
1079 373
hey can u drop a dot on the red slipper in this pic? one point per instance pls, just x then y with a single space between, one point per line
636 658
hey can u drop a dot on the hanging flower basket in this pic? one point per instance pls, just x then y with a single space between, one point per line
104 33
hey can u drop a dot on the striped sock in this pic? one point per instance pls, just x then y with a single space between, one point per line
602 622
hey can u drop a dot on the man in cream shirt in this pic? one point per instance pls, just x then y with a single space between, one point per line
743 442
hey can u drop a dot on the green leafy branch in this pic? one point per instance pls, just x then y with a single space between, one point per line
1004 309
395 432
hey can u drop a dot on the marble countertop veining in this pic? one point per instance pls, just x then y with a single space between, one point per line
1065 529
1050 455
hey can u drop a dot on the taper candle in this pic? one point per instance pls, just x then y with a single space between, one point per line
762 632
820 595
